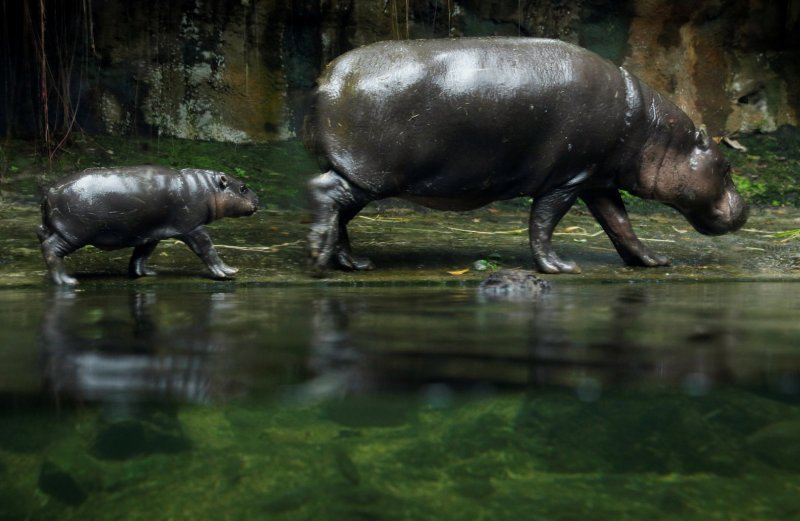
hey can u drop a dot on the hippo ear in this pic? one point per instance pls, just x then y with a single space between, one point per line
223 182
702 139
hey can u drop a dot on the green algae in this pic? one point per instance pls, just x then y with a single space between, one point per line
401 402
480 461
766 174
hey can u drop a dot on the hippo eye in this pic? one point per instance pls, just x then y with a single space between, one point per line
243 190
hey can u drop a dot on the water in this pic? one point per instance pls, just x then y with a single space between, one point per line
598 401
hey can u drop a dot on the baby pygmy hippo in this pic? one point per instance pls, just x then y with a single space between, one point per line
138 206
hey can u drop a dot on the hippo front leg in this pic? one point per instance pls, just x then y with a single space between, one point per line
199 242
546 212
334 202
609 210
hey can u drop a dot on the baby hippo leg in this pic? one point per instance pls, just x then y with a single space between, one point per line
54 249
200 243
136 267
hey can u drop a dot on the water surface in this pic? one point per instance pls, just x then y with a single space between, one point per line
597 401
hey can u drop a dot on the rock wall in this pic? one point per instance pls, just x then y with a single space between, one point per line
730 65
240 71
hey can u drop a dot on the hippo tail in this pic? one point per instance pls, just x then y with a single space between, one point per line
310 132
48 226
44 231
44 206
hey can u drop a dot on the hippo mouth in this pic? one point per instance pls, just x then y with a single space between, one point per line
726 217
250 207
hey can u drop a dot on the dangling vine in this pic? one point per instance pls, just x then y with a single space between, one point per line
59 36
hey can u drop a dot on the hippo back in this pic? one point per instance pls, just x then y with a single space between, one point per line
129 206
475 119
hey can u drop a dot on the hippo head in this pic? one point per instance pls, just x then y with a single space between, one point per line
233 199
691 175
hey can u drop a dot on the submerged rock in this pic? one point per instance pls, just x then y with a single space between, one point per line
777 444
513 285
59 484
126 438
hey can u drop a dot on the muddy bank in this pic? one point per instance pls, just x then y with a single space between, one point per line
423 247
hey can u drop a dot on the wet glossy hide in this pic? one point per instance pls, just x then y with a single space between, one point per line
457 124
137 207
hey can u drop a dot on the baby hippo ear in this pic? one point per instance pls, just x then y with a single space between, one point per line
223 181
702 139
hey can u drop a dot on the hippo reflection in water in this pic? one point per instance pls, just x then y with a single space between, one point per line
455 124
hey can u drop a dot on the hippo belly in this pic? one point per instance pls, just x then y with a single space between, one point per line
459 123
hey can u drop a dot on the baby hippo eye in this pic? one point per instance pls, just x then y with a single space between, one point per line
243 190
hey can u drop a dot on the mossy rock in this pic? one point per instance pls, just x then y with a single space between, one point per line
150 433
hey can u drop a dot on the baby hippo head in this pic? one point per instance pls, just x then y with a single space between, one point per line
232 198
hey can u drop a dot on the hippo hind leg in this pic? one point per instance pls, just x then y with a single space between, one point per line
54 249
136 267
546 211
334 202
200 243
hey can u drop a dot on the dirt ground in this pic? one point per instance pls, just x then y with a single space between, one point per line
423 247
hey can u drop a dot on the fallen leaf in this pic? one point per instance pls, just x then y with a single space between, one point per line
574 229
734 144
458 272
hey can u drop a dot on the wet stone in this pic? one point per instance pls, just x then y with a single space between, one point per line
59 484
127 438
513 285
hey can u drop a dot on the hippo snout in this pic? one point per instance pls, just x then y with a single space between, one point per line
728 215
739 212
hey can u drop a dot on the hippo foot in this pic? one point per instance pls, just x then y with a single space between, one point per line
553 264
347 261
223 271
230 270
62 279
141 271
649 259
342 259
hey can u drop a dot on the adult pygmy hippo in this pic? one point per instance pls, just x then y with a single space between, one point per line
455 124
138 206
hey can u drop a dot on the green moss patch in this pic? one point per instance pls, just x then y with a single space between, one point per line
767 173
